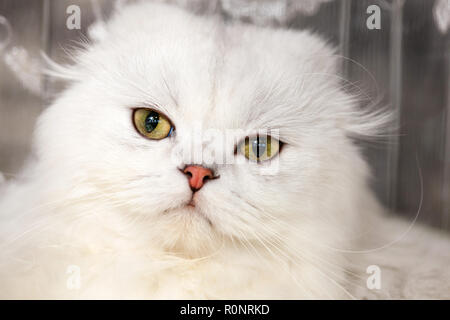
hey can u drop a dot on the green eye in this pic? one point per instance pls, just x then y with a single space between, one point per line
259 148
152 124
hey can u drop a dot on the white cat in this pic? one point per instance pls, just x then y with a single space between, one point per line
104 210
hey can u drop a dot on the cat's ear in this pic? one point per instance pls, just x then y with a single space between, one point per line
58 71
97 31
317 55
368 122
325 59
360 117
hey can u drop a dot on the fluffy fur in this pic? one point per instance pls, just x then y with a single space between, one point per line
99 196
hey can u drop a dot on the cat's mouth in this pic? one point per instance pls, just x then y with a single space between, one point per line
193 208
191 203
189 209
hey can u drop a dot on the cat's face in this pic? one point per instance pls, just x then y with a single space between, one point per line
202 75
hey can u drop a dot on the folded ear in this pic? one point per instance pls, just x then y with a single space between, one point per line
97 31
373 122
357 117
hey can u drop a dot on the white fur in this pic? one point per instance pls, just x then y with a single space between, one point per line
99 196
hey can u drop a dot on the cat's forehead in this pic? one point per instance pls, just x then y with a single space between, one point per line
204 69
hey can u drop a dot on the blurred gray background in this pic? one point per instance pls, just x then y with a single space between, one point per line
405 65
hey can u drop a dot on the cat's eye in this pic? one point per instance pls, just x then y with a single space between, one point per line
259 148
152 124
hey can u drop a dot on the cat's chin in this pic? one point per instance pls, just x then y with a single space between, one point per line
188 231
189 212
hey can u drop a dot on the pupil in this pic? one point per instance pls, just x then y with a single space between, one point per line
259 146
151 122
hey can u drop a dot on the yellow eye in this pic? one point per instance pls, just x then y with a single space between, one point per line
151 124
259 148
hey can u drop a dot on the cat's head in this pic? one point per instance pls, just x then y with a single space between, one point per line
138 95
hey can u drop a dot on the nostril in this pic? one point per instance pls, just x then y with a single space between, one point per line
188 171
206 178
197 176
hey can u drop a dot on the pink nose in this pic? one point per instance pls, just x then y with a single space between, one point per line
197 176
